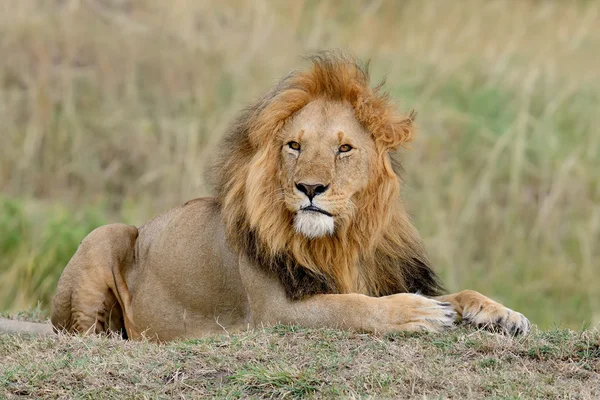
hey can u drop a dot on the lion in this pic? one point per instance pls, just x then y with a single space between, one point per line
306 227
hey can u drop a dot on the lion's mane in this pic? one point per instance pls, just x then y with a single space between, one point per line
376 252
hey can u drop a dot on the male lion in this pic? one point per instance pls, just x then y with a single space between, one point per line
306 227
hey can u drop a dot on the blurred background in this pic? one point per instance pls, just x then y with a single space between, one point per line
110 109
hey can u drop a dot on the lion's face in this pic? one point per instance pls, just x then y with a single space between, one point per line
326 160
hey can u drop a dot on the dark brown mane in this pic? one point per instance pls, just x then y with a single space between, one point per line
381 246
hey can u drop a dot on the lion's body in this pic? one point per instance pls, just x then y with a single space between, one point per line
306 227
183 279
176 278
179 278
209 297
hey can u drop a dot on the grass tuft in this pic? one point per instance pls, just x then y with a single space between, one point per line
305 363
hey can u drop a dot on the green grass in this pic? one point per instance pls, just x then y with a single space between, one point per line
36 244
292 362
34 314
111 110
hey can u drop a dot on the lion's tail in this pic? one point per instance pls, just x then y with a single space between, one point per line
14 326
92 295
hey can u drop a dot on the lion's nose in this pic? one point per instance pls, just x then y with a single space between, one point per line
311 190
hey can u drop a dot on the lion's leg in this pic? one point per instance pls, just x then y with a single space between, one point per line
483 312
92 295
400 312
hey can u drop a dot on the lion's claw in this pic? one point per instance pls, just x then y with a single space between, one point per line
497 318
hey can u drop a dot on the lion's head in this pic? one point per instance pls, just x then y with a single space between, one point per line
308 190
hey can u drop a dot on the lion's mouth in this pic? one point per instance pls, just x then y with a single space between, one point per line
314 208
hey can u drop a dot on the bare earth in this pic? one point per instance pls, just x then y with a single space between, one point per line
294 362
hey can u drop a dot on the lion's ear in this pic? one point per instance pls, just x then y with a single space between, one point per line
401 130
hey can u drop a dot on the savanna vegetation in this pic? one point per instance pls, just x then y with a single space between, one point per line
110 111
291 362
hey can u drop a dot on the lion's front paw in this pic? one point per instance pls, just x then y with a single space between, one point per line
413 312
495 317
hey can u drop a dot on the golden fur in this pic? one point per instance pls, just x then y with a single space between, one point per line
242 259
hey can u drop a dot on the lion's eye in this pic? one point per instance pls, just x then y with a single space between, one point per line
345 148
294 145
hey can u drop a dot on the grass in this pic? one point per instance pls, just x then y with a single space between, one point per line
111 110
292 362
41 240
34 314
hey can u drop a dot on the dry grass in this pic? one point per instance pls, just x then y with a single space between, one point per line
290 362
110 109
